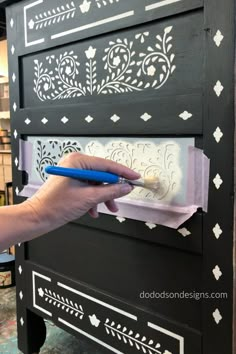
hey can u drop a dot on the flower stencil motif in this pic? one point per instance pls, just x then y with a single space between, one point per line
85 6
126 70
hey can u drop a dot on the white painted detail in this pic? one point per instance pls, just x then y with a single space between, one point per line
146 117
102 303
85 6
16 161
142 36
218 38
14 106
115 118
21 295
22 321
89 336
89 119
61 302
94 24
120 219
147 158
12 23
53 16
184 232
44 120
17 191
179 338
217 272
34 275
20 270
185 115
15 133
64 80
65 120
94 320
218 88
14 77
150 225
217 181
27 121
217 231
30 24
160 4
217 316
218 135
19 244
131 338
12 49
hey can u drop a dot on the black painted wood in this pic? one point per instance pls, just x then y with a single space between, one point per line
104 261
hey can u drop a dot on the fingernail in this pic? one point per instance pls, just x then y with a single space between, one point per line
126 188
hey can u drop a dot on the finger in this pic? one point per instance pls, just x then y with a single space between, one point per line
79 160
112 206
103 193
93 212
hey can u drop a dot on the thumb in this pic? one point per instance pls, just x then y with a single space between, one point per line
107 192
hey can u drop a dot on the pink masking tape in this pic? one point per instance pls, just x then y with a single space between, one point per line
169 214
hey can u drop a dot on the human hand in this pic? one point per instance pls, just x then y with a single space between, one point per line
62 199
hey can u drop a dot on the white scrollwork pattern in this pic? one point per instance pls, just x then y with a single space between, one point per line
126 69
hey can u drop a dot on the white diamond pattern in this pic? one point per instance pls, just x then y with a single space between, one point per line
218 88
217 272
20 269
217 181
217 231
150 225
185 115
218 38
115 118
120 219
184 232
65 120
44 120
146 117
27 121
218 135
217 316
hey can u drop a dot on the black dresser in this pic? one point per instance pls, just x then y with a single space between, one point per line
107 77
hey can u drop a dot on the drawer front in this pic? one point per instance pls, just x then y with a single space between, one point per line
142 70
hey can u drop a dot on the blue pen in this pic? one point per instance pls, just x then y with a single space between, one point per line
101 177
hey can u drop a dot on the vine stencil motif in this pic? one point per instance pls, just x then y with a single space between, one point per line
64 12
134 340
57 150
61 302
126 70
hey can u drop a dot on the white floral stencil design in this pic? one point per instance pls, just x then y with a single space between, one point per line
126 69
147 158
